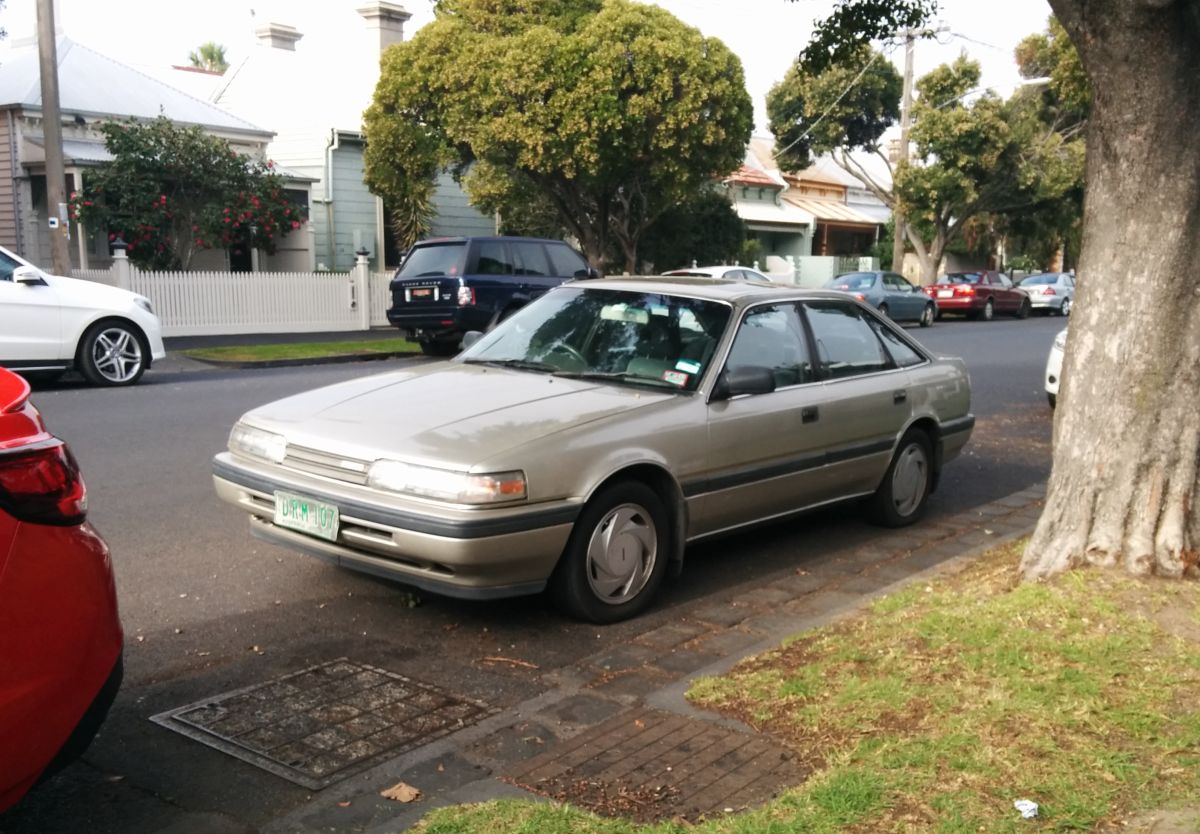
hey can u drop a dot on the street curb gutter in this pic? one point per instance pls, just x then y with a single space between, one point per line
337 359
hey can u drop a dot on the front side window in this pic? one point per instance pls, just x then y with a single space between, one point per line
530 259
846 343
566 261
627 338
7 267
772 337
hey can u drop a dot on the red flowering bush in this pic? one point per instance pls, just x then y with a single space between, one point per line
172 191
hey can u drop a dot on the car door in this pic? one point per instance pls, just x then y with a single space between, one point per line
1008 298
765 450
532 268
908 302
866 398
30 318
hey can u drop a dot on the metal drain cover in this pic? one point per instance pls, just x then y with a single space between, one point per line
323 724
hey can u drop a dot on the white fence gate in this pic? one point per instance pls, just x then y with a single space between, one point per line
219 303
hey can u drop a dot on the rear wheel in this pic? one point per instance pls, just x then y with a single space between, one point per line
113 353
928 315
1052 399
617 555
1025 309
1065 309
900 499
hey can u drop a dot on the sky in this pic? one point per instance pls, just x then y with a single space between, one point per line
765 34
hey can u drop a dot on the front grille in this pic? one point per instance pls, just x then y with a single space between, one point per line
335 467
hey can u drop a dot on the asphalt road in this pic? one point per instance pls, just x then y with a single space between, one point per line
208 609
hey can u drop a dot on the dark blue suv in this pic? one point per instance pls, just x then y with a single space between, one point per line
451 285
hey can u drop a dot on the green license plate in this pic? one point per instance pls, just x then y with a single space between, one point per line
297 512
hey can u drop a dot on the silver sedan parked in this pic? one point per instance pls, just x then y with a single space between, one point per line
584 442
1052 292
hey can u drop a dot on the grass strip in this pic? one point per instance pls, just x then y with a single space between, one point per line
302 350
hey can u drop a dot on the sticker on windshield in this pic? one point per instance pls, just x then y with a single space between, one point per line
688 365
675 378
659 310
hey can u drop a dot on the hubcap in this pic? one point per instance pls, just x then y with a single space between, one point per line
1066 307
927 315
621 554
909 478
987 311
117 355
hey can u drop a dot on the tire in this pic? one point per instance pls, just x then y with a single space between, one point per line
626 527
1052 399
928 315
901 497
989 310
1065 309
113 353
1025 309
883 311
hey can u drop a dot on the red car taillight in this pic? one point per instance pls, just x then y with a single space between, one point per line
1049 291
466 296
42 484
961 290
860 296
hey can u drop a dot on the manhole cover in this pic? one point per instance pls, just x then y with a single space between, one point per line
323 724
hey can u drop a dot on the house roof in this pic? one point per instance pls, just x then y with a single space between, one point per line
94 84
757 213
750 176
75 150
831 212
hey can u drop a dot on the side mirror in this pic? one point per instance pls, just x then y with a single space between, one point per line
471 337
743 379
592 272
27 275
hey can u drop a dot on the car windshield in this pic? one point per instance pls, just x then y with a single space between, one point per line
432 260
963 278
852 281
618 336
1039 280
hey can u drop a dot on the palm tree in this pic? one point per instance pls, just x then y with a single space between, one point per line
210 56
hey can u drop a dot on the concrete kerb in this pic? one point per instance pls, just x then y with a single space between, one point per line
669 697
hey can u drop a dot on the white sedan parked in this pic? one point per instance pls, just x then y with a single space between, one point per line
49 323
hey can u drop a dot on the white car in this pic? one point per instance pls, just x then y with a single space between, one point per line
49 323
729 273
1054 366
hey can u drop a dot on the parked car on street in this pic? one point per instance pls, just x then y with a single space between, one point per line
1054 367
890 294
60 637
731 273
1052 292
582 443
51 324
980 295
448 286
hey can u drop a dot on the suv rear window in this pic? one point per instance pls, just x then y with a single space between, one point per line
433 259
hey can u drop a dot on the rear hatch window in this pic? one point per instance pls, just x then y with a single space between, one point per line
434 260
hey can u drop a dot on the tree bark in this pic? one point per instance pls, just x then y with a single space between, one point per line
1123 489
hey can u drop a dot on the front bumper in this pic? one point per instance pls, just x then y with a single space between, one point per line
471 553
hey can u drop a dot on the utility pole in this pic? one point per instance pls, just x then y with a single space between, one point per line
56 196
902 155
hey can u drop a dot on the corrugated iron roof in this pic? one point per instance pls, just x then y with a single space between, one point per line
831 212
94 84
781 215
749 176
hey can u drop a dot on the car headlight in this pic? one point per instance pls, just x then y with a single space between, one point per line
145 304
256 443
446 484
1060 341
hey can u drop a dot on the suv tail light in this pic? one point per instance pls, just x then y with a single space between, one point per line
466 296
41 483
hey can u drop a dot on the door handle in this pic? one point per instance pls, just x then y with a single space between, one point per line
809 414
899 396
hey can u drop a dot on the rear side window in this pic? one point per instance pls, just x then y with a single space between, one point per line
846 343
566 262
529 258
433 260
902 352
492 259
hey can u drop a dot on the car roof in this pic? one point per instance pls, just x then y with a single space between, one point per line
713 289
466 239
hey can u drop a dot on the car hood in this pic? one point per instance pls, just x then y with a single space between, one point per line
73 292
447 414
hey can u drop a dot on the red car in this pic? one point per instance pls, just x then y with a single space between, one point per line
60 636
982 294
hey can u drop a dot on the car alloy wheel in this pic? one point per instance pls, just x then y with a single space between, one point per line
616 556
112 353
900 499
927 315
1065 309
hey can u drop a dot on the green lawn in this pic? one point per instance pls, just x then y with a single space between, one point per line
945 702
305 350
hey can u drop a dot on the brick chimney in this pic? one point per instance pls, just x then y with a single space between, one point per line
278 36
385 22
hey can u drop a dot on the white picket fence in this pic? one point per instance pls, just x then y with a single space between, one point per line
219 303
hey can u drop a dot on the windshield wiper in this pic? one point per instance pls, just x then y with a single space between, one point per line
519 364
617 376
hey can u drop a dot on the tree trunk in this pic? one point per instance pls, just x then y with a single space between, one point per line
1123 490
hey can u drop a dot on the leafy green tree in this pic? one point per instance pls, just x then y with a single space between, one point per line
1126 477
705 229
614 111
209 56
172 191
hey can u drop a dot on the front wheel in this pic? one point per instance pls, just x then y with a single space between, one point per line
884 311
113 353
617 555
1052 399
928 315
900 499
